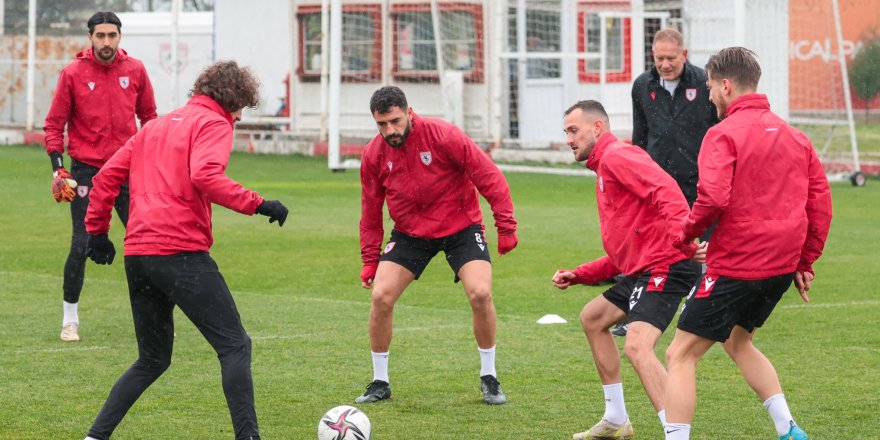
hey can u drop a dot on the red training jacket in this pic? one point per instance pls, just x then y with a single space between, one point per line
175 167
762 180
98 103
430 184
640 212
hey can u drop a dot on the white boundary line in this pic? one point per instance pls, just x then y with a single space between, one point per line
829 305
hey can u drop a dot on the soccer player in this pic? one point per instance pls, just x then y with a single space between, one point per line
176 167
97 98
761 180
671 113
429 173
640 210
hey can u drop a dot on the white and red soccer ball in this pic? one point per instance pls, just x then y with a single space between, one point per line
344 423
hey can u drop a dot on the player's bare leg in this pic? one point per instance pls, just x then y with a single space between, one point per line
476 278
390 282
596 318
680 399
756 369
760 374
641 339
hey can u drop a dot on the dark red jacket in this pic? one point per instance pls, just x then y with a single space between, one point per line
430 184
762 180
640 212
98 103
175 167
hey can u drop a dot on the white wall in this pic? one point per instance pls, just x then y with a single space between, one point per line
147 37
711 25
256 34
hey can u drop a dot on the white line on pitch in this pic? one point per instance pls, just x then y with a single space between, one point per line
58 350
861 348
827 305
313 335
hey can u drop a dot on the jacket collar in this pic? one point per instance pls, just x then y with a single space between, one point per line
599 150
89 55
687 74
208 103
750 101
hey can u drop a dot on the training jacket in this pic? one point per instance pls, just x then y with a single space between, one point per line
430 184
98 104
671 127
762 180
175 167
640 213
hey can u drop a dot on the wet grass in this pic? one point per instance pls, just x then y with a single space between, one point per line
299 296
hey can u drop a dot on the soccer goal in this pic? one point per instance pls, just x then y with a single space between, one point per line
820 100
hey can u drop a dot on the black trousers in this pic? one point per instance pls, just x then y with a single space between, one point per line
75 267
192 282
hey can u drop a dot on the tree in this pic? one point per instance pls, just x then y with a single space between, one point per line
864 73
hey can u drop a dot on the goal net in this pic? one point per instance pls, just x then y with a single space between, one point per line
820 100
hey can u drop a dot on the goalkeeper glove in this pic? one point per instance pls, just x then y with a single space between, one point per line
63 186
273 209
100 249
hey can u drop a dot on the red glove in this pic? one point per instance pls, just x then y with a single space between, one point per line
368 273
63 186
506 242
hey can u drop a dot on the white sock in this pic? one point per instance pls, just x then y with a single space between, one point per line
779 412
678 431
380 366
662 415
487 361
70 313
615 408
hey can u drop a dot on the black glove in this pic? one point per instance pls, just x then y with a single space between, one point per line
273 209
100 249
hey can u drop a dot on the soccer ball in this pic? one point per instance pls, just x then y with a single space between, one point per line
344 423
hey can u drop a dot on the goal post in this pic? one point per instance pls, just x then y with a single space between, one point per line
820 101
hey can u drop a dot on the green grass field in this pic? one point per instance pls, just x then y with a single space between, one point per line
299 295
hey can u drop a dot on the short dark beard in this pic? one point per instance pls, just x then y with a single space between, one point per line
402 138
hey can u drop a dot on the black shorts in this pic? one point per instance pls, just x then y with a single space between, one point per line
413 253
654 296
720 303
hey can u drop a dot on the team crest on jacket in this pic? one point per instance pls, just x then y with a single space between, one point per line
426 157
124 82
390 165
601 184
91 85
690 94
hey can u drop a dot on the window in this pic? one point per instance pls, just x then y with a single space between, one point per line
415 54
618 66
361 43
542 35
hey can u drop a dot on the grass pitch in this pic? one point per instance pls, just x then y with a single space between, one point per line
299 295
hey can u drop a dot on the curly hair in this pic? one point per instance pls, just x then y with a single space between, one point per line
232 86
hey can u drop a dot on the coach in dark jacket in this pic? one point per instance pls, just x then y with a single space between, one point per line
672 111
